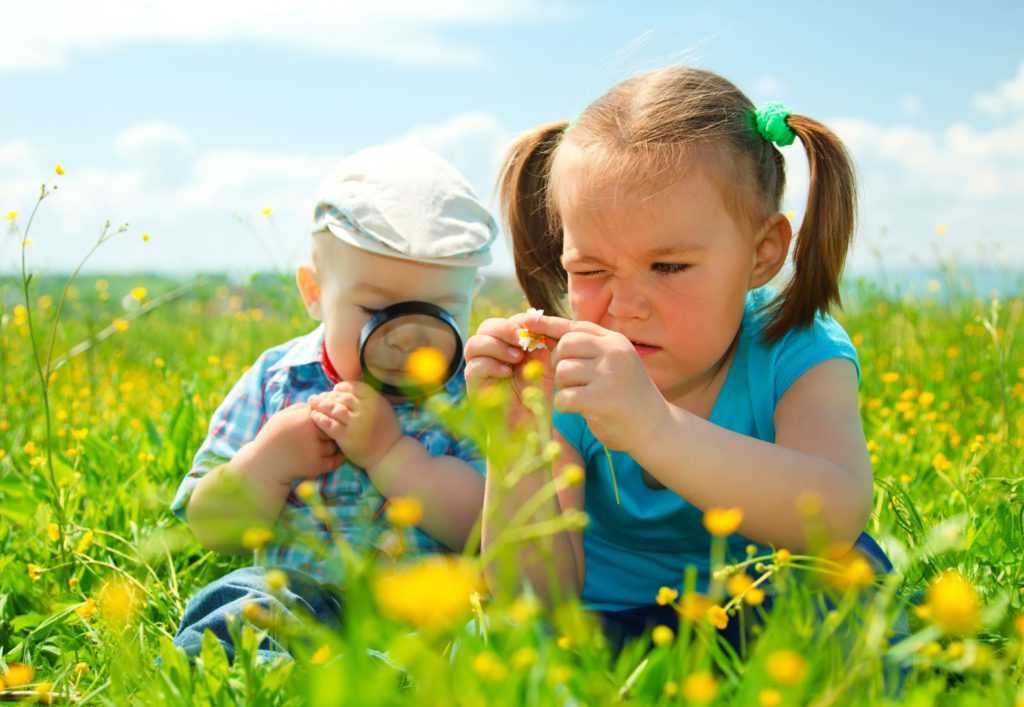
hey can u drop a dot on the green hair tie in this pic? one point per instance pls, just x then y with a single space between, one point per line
770 122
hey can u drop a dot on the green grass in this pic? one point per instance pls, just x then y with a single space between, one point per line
943 407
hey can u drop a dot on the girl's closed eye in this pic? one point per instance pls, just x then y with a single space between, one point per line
669 268
370 311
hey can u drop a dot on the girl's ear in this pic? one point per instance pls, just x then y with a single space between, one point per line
771 246
309 288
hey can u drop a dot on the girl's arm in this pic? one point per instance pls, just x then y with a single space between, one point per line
819 451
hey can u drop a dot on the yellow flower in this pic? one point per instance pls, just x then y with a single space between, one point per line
524 608
276 580
700 687
941 229
432 593
79 434
266 211
426 366
890 377
320 655
524 658
3 453
573 474
12 215
662 636
666 595
121 325
723 521
29 448
852 572
953 604
488 666
18 674
782 556
81 668
87 609
769 697
693 607
306 491
404 511
564 643
139 293
786 667
528 341
925 399
53 532
256 538
671 689
119 602
145 236
85 542
718 618
940 462
741 584
533 371
1019 624
35 571
559 674
59 170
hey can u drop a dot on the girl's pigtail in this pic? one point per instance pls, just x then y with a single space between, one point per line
534 228
825 234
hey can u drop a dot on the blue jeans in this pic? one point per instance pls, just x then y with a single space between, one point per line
227 596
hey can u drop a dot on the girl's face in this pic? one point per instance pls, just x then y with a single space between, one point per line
669 269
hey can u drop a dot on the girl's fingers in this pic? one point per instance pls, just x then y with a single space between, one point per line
551 327
479 370
577 344
570 399
490 347
573 372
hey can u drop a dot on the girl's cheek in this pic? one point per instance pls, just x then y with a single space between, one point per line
588 299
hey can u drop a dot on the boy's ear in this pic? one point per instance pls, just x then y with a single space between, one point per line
771 246
309 288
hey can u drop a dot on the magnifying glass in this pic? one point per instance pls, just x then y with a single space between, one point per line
410 349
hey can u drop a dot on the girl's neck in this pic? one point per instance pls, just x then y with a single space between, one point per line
698 396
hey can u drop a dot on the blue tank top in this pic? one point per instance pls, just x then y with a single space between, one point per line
648 539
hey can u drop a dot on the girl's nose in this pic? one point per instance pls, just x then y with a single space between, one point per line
628 301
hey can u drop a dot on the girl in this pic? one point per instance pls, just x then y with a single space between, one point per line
657 214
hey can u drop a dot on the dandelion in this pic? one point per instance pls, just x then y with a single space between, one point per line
524 658
890 377
693 606
18 674
666 595
138 293
769 697
940 462
700 687
120 325
266 211
81 668
573 475
426 366
952 604
662 636
431 594
564 642
59 170
256 538
783 556
718 618
276 580
488 666
145 236
723 521
12 215
118 602
741 584
852 570
786 667
1018 623
306 491
35 571
320 655
533 370
404 511
87 609
53 532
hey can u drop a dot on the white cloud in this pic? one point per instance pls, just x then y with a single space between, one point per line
144 137
207 217
401 31
1004 98
911 105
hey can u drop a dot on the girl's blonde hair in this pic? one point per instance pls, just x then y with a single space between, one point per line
642 132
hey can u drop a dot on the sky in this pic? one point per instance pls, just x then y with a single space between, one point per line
186 120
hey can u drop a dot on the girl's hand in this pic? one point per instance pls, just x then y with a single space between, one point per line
359 419
494 357
598 374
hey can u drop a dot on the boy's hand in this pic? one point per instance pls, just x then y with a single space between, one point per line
359 419
288 447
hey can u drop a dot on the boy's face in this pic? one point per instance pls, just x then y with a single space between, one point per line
347 286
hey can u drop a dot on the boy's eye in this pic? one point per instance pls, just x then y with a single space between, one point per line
669 267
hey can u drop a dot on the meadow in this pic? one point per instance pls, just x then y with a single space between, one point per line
107 385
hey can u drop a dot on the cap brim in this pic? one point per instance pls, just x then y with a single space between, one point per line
372 245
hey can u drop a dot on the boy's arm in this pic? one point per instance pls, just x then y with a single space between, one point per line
450 490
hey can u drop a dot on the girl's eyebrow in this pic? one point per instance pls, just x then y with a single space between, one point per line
677 249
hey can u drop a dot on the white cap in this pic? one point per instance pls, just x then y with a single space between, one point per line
404 201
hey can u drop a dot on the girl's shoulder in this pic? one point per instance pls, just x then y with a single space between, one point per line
798 350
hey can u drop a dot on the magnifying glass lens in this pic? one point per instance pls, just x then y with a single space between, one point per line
412 352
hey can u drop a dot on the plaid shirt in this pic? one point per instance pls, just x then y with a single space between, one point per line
291 373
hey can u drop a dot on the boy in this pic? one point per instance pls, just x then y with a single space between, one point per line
392 223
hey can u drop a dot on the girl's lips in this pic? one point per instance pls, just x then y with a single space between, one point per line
645 349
